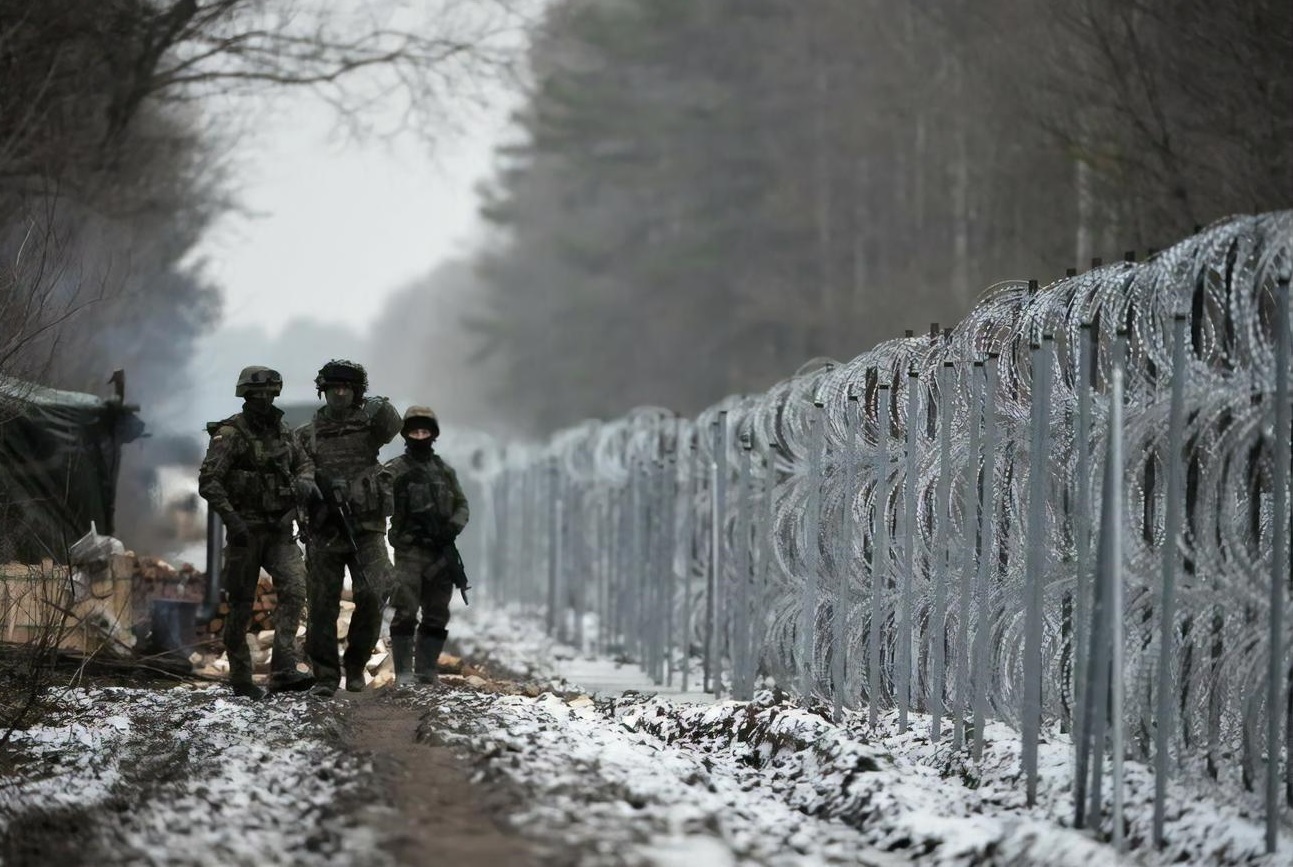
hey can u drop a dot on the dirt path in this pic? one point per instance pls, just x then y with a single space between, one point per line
442 817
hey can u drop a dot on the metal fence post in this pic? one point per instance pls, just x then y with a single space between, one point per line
1082 525
1163 724
941 567
812 550
909 530
840 609
880 555
554 548
1036 564
742 680
988 516
688 548
972 542
718 515
1117 689
1279 558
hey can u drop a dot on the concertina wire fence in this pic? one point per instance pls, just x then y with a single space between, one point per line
931 526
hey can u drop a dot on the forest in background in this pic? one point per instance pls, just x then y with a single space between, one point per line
118 121
705 194
117 125
701 195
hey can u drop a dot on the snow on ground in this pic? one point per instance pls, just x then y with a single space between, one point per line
184 776
644 780
193 776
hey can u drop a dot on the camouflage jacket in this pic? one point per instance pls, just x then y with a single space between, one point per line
429 503
344 453
250 469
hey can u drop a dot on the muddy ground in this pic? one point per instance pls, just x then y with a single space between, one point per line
439 816
401 796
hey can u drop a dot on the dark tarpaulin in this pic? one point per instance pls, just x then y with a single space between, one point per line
59 455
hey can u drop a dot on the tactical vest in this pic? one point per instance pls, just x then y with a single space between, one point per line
259 483
428 493
346 452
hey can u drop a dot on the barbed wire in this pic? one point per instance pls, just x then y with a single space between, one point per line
882 523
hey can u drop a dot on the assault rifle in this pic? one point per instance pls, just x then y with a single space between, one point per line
336 508
457 572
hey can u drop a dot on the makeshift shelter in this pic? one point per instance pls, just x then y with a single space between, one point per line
59 456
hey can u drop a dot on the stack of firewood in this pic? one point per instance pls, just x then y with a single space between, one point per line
154 578
262 611
213 662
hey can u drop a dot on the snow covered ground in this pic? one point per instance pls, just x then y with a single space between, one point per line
189 775
643 779
183 776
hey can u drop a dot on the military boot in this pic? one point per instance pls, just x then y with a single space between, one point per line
354 677
402 656
428 655
323 690
247 689
290 681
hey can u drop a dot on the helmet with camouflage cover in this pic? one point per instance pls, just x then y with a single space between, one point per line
259 380
341 370
420 417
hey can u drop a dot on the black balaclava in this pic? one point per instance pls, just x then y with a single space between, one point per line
258 408
420 449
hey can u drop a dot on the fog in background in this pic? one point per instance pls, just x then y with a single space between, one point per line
604 204
415 351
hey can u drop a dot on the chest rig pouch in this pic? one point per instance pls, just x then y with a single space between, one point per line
430 498
260 481
344 454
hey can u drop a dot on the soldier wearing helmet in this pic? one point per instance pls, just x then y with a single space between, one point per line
252 475
430 512
342 441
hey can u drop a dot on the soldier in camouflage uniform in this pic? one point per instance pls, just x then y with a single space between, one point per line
430 512
342 440
252 476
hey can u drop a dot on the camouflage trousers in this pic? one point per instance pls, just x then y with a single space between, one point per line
270 548
327 564
421 581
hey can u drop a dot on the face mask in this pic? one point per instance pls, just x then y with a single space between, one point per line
258 404
418 447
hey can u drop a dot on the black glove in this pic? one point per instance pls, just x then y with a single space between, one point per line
236 532
446 537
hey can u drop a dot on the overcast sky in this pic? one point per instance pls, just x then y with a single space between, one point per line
336 226
330 228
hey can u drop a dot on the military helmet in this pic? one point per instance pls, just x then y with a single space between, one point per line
420 416
259 380
342 370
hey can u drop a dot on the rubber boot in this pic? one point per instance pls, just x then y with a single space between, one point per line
428 656
402 655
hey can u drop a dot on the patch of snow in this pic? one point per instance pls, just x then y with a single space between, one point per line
642 779
190 776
